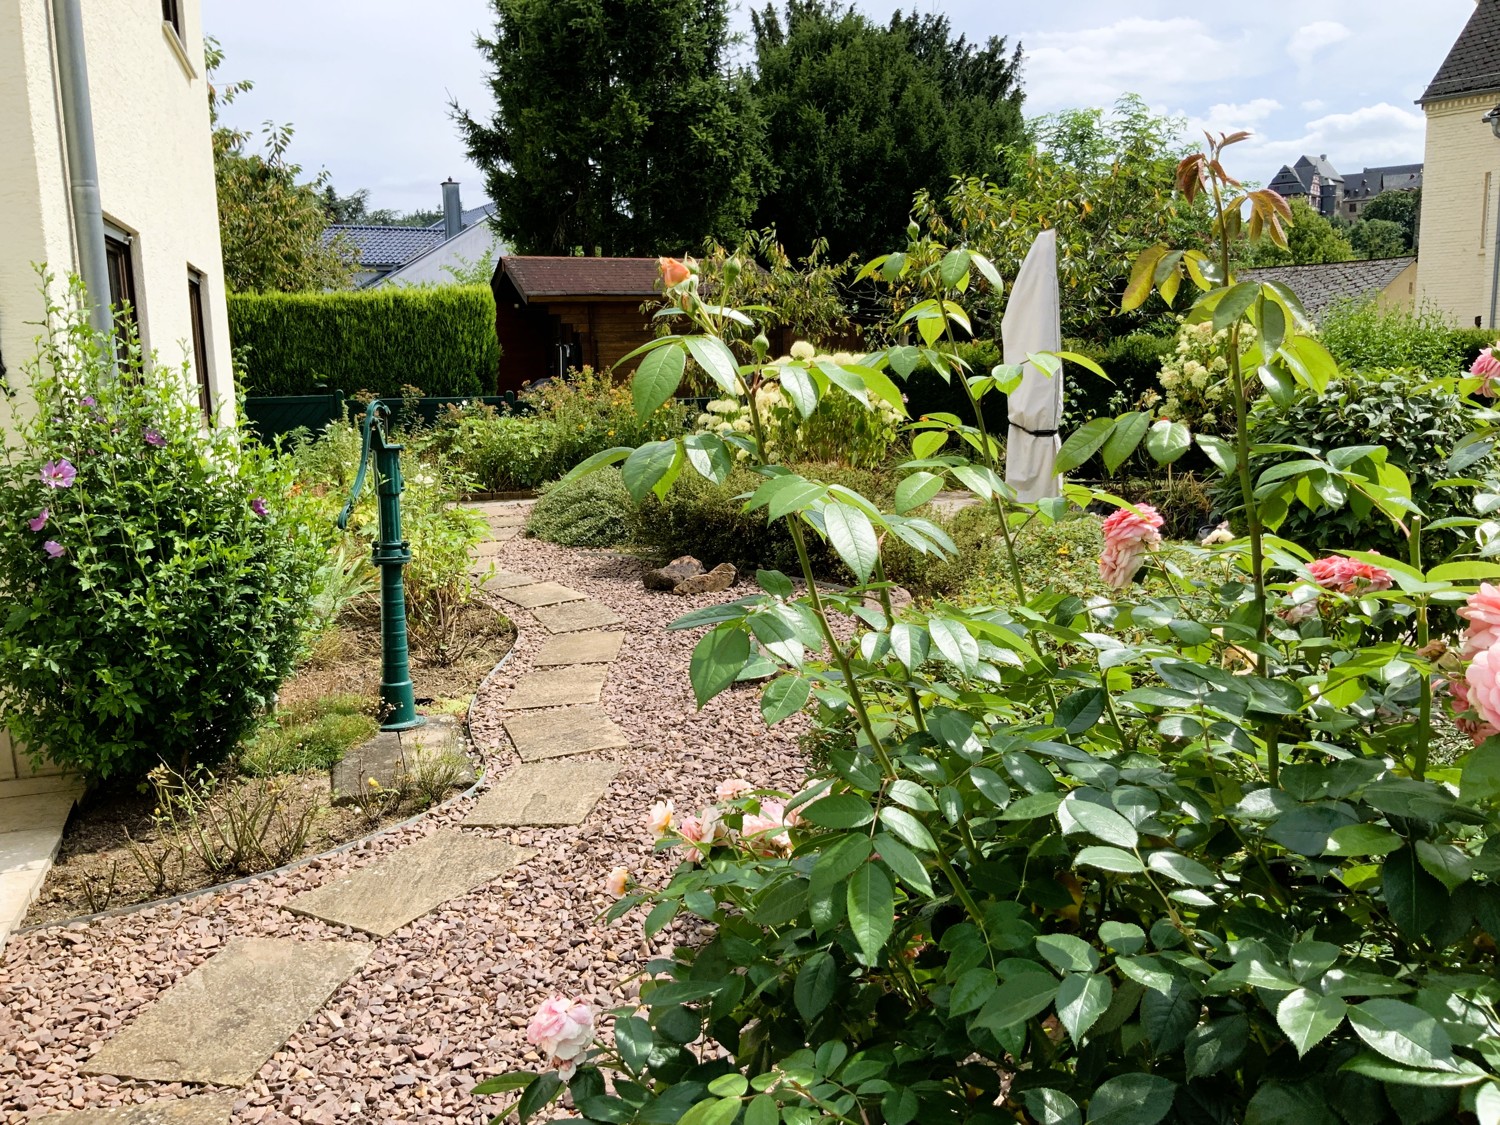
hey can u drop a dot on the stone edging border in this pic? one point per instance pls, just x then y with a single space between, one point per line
347 845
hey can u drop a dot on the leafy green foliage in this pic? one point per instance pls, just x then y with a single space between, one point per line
1417 425
591 511
839 92
168 609
616 129
1311 240
1364 337
376 340
1104 182
1404 208
271 225
1378 238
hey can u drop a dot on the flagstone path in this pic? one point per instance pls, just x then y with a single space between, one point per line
381 984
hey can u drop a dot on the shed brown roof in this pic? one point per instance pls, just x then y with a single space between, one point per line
536 277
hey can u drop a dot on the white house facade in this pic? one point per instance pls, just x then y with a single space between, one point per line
150 145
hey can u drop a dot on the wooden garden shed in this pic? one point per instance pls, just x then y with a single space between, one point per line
555 313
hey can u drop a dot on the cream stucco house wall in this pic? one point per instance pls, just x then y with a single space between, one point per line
151 139
1461 188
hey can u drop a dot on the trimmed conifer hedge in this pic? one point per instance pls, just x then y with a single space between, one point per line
439 338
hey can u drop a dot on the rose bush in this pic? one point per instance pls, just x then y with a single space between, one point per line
1179 855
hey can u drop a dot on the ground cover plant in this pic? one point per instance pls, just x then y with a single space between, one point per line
1177 854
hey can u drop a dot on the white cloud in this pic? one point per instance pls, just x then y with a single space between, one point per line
1311 38
1228 117
1312 105
1094 66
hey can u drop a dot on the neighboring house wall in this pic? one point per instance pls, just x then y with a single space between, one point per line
156 177
464 251
1461 179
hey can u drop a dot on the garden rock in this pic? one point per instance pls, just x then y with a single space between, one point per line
674 573
206 1109
719 578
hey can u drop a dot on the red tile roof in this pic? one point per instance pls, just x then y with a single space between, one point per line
536 277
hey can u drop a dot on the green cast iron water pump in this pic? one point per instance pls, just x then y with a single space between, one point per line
391 554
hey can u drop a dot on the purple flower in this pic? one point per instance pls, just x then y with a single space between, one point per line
54 549
258 506
59 473
40 521
153 437
88 400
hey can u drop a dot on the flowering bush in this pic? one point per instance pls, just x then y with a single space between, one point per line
1194 378
1167 856
157 570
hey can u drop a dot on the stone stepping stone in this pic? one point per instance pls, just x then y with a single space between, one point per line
557 687
557 734
403 885
513 517
205 1109
575 617
221 1022
579 648
391 755
543 795
540 594
489 548
505 579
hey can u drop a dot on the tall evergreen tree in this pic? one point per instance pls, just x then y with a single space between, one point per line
859 116
617 127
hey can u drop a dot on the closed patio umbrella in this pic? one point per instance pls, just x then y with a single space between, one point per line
1033 323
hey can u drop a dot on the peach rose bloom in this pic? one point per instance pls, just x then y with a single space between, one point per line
733 788
673 272
1483 680
766 831
615 883
1482 612
660 820
562 1030
1462 710
1128 536
1348 576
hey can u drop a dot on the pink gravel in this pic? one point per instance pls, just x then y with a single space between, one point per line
444 1002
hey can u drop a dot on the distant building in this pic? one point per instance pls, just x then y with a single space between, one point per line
397 255
1461 198
1330 194
1313 179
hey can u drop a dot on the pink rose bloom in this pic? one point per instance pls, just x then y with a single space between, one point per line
1483 681
1128 537
1463 712
766 831
1348 576
702 832
562 1030
1486 367
733 788
660 820
1482 612
40 521
616 883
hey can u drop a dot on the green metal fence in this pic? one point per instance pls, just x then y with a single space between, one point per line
273 416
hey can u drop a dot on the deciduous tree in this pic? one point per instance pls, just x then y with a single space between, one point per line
1311 240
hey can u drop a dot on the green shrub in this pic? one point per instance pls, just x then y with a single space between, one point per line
310 736
592 511
158 603
573 418
1417 423
441 339
1133 364
1364 337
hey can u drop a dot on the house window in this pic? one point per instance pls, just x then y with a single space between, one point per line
121 280
171 12
200 342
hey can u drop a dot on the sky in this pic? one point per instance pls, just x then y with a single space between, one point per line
367 83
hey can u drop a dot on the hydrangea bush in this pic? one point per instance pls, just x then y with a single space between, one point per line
1180 855
156 569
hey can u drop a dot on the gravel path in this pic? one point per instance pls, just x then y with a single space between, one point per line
444 1002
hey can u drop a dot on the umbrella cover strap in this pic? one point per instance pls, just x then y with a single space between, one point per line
1034 433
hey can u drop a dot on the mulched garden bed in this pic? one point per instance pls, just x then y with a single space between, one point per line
118 851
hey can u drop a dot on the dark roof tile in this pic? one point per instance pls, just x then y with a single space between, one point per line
536 277
385 246
1473 63
1321 286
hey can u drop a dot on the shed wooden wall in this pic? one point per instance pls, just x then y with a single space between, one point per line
606 329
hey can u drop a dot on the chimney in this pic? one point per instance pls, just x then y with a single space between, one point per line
453 209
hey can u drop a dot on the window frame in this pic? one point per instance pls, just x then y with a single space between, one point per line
171 15
197 317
